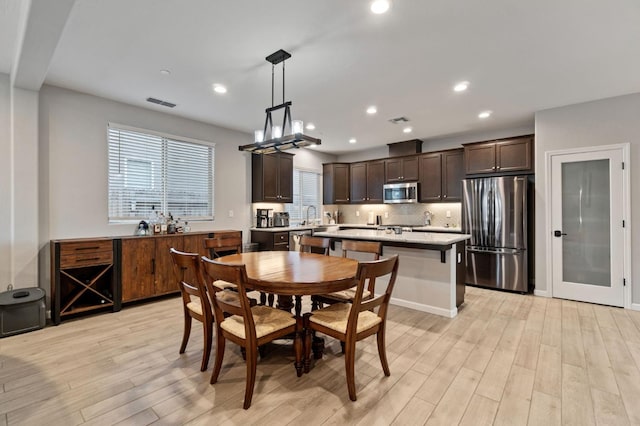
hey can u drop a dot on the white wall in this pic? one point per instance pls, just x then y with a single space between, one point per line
603 122
73 167
5 182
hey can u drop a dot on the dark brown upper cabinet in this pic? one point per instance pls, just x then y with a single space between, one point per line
335 183
367 179
441 175
401 169
272 178
499 156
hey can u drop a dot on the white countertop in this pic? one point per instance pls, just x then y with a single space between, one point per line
434 238
420 229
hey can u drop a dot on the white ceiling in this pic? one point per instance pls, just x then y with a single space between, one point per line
520 57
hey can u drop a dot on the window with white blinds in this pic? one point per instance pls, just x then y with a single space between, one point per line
150 172
306 192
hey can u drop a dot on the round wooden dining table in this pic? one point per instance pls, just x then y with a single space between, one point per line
292 273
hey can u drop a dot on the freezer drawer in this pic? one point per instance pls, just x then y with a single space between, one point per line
504 269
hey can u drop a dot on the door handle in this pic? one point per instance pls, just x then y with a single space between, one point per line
558 233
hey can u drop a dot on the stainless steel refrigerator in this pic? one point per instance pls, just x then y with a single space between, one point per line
495 215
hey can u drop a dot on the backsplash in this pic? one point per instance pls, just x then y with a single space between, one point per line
400 214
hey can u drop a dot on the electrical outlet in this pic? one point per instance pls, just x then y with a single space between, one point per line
357 213
386 215
230 213
10 287
448 213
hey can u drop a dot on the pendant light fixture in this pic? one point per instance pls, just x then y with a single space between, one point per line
273 138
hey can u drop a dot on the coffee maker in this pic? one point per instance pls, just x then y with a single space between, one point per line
263 218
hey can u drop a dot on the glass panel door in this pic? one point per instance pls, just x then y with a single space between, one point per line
586 247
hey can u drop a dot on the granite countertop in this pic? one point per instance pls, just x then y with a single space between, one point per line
433 238
423 228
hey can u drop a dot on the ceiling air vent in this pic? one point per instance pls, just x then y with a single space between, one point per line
160 102
399 120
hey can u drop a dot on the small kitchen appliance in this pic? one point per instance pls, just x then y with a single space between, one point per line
280 219
263 217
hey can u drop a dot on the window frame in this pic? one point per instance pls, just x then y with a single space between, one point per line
302 210
166 137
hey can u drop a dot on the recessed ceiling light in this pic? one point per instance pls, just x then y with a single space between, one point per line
311 126
461 87
372 110
219 88
352 140
380 6
407 130
485 114
165 72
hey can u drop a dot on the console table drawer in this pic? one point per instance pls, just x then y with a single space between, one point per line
87 253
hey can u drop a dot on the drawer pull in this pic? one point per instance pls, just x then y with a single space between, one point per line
87 248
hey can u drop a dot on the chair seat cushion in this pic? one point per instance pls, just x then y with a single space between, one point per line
348 294
267 321
228 296
336 316
195 306
224 284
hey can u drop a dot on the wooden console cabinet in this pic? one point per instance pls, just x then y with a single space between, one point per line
84 276
97 273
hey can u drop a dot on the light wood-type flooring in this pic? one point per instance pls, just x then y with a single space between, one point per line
505 359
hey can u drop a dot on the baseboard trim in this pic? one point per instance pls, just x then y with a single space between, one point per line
635 306
541 293
425 308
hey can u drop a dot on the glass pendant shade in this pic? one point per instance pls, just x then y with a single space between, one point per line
297 126
258 136
276 132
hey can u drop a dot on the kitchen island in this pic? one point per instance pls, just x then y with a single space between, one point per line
431 270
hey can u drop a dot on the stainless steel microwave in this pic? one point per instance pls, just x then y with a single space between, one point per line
397 193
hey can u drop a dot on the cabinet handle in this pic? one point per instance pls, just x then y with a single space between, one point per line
493 168
445 196
153 266
498 168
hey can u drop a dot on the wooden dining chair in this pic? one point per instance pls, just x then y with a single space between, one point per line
317 245
221 246
353 246
312 244
351 322
249 327
195 302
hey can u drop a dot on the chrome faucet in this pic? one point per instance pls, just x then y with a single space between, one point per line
314 214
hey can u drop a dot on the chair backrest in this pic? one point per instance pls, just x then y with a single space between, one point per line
370 271
232 273
221 245
308 243
188 274
373 247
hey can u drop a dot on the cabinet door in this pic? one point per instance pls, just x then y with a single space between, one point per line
359 183
375 181
341 184
514 155
393 170
410 169
430 178
280 241
285 178
270 176
137 270
165 282
480 158
452 175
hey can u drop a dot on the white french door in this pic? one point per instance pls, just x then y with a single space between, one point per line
588 199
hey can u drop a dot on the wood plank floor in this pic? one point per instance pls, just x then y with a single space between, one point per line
506 359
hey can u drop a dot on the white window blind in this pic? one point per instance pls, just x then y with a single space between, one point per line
306 192
151 172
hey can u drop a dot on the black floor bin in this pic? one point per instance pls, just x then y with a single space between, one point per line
21 310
